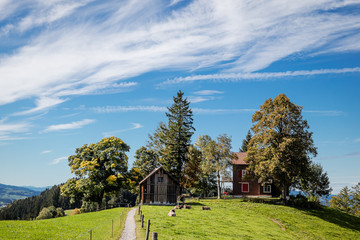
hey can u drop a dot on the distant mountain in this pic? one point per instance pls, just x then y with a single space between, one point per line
10 193
37 189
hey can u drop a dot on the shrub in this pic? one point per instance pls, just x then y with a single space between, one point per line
75 211
88 207
60 212
45 214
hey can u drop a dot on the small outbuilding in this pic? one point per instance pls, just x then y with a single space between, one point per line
159 187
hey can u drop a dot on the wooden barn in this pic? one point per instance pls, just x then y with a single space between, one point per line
159 188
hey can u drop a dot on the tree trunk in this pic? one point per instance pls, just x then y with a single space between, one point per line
218 184
285 193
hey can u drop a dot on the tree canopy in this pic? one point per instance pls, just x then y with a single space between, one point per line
100 168
146 160
245 142
216 156
282 146
177 136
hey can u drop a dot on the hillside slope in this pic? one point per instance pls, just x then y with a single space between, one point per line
10 193
71 227
235 219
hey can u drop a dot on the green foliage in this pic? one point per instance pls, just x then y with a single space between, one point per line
101 169
176 136
245 142
235 219
192 169
348 200
69 227
45 214
60 212
282 146
216 156
146 160
88 207
315 182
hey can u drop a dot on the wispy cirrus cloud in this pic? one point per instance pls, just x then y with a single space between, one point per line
113 133
263 76
46 151
58 160
349 155
116 109
162 109
68 126
79 47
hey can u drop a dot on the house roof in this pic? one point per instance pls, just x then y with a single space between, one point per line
155 171
240 159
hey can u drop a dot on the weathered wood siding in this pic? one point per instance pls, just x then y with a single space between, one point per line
159 188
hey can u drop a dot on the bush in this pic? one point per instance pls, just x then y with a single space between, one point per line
60 212
88 207
75 212
45 214
301 201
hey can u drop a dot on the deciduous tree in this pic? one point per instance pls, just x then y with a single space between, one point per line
282 146
216 156
146 160
101 168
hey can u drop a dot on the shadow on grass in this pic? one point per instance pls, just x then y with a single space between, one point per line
337 217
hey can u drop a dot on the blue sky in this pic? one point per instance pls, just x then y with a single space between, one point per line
73 72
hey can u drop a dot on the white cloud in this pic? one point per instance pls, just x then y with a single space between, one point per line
325 112
115 109
42 104
197 99
58 160
81 48
46 151
69 126
208 92
113 133
235 77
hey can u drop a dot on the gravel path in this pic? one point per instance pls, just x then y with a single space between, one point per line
129 230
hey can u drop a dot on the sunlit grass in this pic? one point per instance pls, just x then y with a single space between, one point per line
235 219
69 227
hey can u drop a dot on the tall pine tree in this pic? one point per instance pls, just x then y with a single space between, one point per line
244 146
177 136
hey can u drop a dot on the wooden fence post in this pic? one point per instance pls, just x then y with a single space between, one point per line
154 236
142 221
147 230
139 209
112 228
90 234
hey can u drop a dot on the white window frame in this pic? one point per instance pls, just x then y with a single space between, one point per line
243 172
242 187
265 190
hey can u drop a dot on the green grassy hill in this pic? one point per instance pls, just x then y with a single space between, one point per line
69 227
235 219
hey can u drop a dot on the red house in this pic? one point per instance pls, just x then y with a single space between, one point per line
245 187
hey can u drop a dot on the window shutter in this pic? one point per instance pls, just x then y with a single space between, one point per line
240 173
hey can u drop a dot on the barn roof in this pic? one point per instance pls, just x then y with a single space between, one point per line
240 159
155 171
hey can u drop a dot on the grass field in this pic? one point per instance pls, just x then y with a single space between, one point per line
69 227
235 219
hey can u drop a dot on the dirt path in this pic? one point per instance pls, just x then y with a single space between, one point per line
129 230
